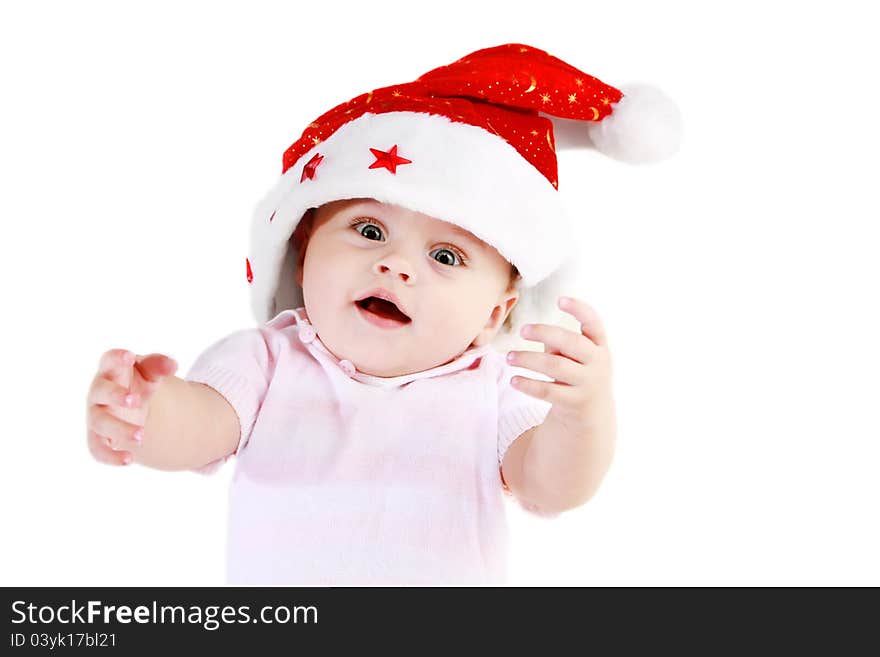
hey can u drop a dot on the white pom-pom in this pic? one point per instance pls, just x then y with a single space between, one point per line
644 127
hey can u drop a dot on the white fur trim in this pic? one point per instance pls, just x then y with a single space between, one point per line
643 127
459 173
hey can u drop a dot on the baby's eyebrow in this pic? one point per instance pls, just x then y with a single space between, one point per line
470 237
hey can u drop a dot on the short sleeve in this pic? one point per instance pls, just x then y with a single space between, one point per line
517 413
239 367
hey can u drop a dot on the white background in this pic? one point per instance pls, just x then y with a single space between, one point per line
738 281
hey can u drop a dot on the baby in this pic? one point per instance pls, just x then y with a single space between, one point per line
376 426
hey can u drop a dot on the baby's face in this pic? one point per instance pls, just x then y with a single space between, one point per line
355 246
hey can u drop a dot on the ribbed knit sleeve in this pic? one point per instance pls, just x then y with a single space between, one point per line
517 411
239 367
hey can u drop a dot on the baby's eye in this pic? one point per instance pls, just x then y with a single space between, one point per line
370 228
374 233
449 252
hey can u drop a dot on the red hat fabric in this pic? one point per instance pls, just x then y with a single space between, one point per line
499 89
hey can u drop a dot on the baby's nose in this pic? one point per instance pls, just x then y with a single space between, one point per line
398 266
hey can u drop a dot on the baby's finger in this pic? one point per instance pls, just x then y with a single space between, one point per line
122 434
591 323
116 365
100 449
154 367
106 392
149 371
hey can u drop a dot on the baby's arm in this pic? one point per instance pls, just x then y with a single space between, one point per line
559 464
189 424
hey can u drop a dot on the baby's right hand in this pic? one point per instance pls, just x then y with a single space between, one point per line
118 402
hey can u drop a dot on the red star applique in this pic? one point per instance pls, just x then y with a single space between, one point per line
389 160
309 168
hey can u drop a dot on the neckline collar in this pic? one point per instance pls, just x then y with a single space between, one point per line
310 338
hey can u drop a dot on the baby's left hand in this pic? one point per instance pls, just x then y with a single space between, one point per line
579 363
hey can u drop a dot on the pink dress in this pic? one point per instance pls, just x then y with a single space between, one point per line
348 479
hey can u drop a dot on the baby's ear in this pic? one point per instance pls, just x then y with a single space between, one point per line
506 305
496 320
300 240
303 230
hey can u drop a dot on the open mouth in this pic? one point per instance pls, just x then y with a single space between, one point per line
384 309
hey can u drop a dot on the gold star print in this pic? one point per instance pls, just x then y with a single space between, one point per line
572 98
523 49
314 125
396 93
579 82
605 101
545 98
316 141
534 133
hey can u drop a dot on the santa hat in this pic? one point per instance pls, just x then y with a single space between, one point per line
470 143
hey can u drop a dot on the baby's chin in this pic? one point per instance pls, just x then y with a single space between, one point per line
379 360
371 361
